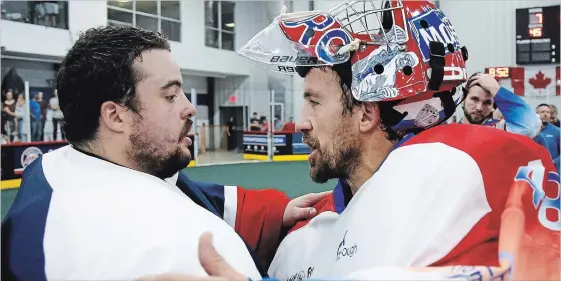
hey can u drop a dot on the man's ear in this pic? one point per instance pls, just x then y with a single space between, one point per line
370 118
111 116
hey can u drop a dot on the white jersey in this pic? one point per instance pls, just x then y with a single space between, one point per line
390 212
85 218
437 200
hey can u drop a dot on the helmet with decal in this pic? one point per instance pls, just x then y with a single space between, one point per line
405 55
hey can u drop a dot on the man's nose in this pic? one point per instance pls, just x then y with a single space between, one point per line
303 126
189 110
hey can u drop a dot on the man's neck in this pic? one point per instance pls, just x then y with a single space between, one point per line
109 153
371 158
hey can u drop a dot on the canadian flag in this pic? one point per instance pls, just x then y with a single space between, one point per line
541 81
534 81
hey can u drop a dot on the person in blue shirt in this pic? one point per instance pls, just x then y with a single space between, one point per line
550 132
35 112
539 138
483 95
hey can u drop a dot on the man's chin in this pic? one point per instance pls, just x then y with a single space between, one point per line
478 120
175 164
317 175
185 159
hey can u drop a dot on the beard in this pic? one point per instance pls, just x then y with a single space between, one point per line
157 157
474 120
339 160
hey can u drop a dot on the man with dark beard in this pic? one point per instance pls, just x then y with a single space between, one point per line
415 200
483 95
113 205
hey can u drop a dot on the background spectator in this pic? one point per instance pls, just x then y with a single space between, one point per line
35 112
230 133
554 119
57 115
255 123
278 123
44 108
21 121
8 119
551 133
290 125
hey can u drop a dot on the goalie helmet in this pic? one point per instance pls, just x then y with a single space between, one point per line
405 55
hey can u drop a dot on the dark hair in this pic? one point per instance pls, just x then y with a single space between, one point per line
97 69
345 78
468 86
543 104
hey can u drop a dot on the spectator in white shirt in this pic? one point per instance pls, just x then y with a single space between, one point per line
57 115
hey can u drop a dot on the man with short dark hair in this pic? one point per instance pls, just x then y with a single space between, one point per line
112 205
483 95
415 200
550 132
254 122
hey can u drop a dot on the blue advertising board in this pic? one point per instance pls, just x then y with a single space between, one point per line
298 146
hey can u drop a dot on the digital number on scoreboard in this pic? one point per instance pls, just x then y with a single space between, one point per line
537 35
499 72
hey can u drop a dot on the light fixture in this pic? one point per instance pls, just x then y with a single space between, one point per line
230 25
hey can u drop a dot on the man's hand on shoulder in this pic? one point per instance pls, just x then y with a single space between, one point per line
301 208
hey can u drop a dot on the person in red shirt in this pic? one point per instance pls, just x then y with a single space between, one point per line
289 126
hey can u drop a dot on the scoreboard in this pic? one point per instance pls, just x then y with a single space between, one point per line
499 72
537 35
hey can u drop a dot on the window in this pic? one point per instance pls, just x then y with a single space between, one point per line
47 13
220 24
160 16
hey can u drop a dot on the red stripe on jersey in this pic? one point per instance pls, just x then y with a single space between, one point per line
259 220
499 156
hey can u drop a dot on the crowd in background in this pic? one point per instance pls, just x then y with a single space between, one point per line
44 119
260 123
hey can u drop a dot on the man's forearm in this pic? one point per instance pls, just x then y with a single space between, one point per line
519 116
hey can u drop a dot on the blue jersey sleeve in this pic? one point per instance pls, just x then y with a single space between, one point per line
519 116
